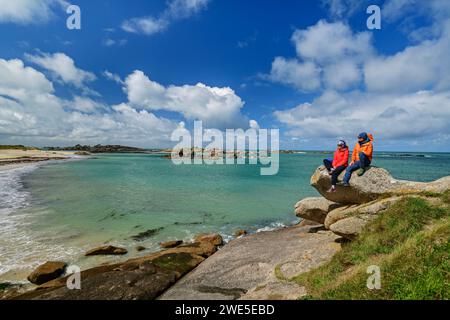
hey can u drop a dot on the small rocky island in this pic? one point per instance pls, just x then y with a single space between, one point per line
100 149
262 266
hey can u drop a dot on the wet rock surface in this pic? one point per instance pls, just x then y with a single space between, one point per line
47 272
105 251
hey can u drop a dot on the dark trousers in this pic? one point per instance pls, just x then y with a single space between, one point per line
363 163
337 171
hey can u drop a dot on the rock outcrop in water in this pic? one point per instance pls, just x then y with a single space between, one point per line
100 149
47 272
346 211
141 278
106 251
214 239
240 233
171 244
146 234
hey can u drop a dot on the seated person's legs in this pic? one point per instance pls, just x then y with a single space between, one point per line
348 173
335 175
365 162
328 164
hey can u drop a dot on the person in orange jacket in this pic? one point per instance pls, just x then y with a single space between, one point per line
339 163
361 157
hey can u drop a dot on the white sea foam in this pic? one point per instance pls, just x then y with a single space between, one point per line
19 248
273 226
12 193
13 196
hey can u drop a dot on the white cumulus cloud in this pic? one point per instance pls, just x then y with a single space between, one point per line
390 117
340 9
329 55
216 107
28 11
176 10
402 98
302 76
62 67
31 113
417 67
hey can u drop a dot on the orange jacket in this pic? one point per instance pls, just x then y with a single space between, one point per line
367 148
341 158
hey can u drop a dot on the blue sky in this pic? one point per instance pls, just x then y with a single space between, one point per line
137 69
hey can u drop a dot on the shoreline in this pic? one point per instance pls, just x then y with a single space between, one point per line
17 277
16 157
12 161
22 286
316 247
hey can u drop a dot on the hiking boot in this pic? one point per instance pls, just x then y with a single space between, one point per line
332 190
361 172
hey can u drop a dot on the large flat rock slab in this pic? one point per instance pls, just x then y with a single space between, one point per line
245 268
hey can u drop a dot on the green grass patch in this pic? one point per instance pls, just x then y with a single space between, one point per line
279 274
410 244
16 147
446 197
5 285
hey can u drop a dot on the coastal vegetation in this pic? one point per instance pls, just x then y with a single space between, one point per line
99 149
410 242
16 147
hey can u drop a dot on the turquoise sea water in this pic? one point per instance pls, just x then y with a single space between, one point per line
58 211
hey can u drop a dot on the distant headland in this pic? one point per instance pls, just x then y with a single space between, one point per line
100 149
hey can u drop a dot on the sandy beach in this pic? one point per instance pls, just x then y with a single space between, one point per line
11 158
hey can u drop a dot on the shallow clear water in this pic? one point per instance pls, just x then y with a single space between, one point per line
58 211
